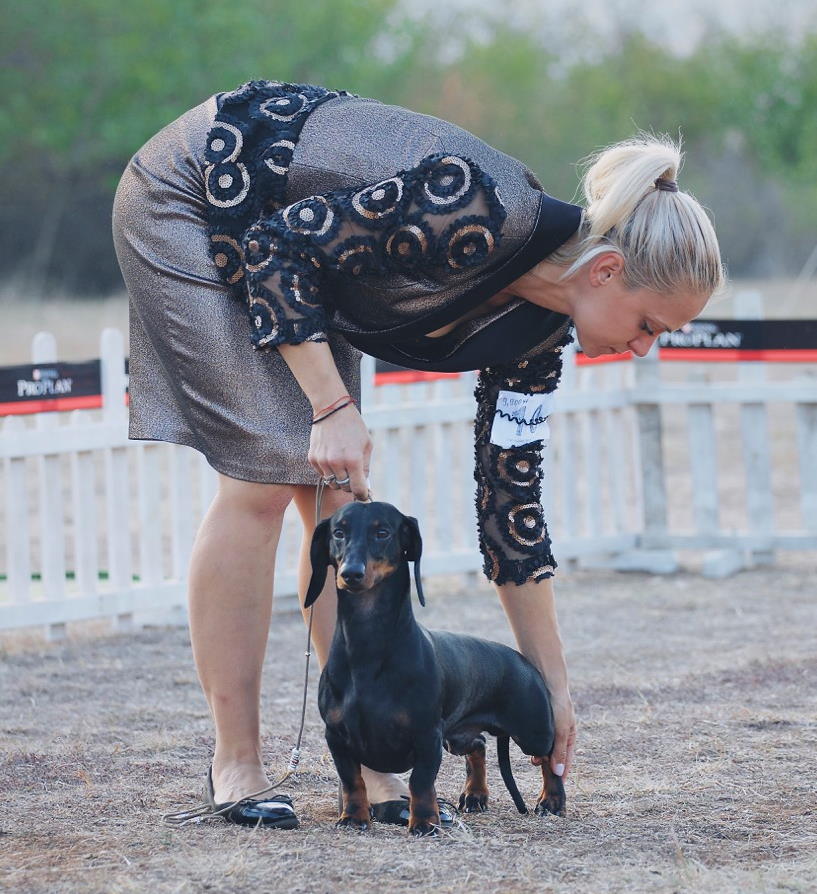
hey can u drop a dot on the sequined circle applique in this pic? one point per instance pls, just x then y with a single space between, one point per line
379 201
300 289
224 143
410 243
467 244
226 183
228 257
526 524
314 217
356 255
278 156
259 249
541 573
284 108
517 466
264 321
447 184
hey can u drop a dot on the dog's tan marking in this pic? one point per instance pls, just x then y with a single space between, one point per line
424 811
376 571
552 796
476 779
356 802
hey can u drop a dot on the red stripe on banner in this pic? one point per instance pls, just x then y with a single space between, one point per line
714 355
403 376
736 355
582 360
22 407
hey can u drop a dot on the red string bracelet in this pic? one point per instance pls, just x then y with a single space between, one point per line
337 401
331 412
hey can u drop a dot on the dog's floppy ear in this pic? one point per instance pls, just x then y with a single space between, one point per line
320 559
412 543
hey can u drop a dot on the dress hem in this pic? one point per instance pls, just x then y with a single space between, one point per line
222 468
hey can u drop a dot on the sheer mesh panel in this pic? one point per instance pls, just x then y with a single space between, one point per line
443 213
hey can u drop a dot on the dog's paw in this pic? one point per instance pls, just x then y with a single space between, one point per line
552 804
423 828
473 803
352 822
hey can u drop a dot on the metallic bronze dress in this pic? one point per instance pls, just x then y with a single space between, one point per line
283 213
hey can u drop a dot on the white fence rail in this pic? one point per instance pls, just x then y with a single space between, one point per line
638 467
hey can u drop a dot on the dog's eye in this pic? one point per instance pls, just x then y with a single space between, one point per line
382 534
338 534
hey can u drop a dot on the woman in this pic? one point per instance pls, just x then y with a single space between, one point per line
346 225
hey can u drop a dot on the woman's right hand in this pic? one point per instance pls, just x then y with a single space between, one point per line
340 445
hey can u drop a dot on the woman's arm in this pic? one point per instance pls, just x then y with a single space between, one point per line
531 611
513 534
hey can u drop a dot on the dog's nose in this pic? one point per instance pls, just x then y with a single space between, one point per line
353 574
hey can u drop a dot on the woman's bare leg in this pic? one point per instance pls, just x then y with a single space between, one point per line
230 601
379 786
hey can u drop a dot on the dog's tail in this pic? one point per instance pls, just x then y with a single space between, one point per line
504 756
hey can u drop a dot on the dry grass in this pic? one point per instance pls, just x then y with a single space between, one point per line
695 766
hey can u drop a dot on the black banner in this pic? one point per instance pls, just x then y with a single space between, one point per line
743 335
34 388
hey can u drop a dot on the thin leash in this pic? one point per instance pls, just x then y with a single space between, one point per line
204 810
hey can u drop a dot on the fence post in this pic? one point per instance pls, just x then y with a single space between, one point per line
52 523
112 351
653 559
755 436
18 544
806 414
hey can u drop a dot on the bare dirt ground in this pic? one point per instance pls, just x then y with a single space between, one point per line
697 703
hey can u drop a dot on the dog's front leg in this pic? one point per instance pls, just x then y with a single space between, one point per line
552 798
424 811
357 812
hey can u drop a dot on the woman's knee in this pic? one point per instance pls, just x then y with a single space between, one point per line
267 502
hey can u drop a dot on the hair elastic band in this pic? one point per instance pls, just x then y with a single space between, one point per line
666 185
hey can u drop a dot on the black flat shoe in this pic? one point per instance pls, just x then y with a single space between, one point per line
397 812
275 811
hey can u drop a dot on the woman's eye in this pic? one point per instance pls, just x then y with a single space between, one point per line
382 534
647 328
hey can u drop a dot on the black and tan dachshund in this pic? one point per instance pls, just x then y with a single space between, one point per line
393 694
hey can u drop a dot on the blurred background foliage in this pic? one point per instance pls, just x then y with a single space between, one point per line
86 83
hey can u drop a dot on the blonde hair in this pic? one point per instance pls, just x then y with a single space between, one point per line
664 236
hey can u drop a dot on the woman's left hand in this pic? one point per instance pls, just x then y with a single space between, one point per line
564 745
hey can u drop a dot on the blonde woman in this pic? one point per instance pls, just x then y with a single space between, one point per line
272 233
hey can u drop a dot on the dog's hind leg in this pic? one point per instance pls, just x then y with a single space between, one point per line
552 798
357 813
474 796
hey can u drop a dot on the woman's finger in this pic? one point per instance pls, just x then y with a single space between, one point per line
561 759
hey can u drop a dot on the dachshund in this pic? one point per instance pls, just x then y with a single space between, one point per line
393 694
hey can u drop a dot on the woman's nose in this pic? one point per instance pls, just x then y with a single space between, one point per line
640 346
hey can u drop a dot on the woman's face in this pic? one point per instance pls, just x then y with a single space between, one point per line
612 319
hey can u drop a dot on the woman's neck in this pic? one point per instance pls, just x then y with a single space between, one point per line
543 285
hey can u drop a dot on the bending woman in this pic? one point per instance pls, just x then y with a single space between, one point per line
333 224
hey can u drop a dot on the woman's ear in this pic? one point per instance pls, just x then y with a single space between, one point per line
320 559
604 268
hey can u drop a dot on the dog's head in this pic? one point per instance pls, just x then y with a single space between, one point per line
366 543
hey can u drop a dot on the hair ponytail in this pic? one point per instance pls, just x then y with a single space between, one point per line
633 206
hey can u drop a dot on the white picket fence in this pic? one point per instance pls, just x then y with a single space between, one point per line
638 467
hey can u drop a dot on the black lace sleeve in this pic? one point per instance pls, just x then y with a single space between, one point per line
443 213
513 534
